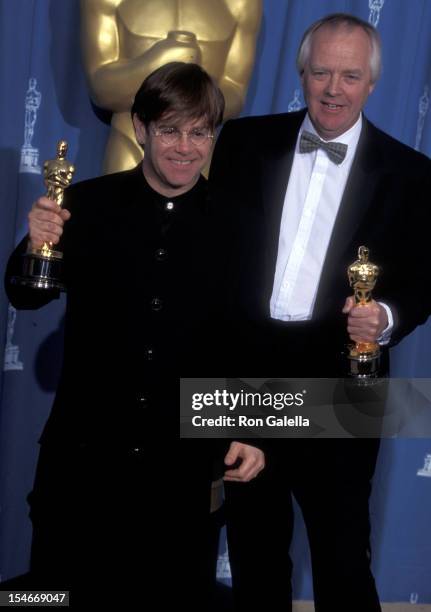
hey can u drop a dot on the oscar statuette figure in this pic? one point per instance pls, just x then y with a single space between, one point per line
42 267
364 356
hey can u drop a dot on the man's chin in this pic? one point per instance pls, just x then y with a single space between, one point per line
182 183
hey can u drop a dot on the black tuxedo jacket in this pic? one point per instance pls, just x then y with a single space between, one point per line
384 206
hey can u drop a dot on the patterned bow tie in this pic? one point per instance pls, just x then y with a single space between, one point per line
336 151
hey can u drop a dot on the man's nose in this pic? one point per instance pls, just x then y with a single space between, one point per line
333 85
184 143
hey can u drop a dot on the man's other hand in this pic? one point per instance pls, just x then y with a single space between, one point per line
252 462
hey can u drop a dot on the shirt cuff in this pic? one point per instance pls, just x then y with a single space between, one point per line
385 336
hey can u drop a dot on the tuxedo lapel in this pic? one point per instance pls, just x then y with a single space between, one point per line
358 196
276 165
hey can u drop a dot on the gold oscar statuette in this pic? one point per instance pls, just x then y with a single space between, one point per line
42 268
364 356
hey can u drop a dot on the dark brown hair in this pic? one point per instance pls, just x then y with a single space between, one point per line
179 89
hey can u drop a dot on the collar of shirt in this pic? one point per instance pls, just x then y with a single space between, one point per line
350 138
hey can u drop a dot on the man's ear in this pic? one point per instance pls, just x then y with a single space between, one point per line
140 130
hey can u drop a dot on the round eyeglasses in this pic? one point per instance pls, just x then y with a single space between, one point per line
172 135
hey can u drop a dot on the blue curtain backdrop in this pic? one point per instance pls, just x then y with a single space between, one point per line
44 98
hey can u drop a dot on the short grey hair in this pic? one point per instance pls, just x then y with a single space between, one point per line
342 20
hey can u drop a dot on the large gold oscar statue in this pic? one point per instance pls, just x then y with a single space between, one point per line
123 41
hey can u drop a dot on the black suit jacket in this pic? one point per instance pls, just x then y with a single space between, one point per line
136 319
124 352
384 206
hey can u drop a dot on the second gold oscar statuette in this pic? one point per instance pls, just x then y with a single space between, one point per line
363 356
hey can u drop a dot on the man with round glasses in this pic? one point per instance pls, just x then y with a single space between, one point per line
177 144
113 489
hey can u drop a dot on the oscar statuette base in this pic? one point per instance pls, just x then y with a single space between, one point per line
41 271
363 365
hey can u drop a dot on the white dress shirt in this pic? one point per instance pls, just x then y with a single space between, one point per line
311 203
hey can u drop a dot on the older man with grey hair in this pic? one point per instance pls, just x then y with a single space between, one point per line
297 194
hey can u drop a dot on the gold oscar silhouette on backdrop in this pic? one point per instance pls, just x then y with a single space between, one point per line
123 41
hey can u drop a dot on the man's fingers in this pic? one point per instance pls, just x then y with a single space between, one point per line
232 454
367 333
364 312
40 215
44 203
243 475
366 323
45 210
46 231
348 304
65 214
46 220
253 462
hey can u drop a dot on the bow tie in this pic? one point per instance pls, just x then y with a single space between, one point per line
336 151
